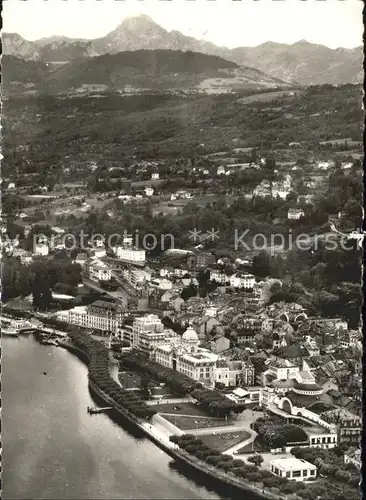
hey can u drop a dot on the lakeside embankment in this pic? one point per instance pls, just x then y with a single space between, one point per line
164 443
102 457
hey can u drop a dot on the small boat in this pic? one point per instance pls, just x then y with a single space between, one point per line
9 331
44 373
49 342
13 327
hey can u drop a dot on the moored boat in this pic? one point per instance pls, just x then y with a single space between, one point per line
9 331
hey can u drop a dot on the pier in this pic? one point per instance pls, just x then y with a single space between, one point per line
91 409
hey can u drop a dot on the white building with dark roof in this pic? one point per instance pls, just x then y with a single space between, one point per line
293 469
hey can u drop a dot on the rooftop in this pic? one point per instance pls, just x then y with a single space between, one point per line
340 413
292 464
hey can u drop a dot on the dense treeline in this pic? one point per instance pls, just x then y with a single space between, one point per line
177 382
330 464
98 365
273 433
262 478
211 400
39 279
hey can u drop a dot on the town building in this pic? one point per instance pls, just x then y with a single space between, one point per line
234 373
41 249
349 425
293 469
219 276
241 280
280 369
186 357
130 253
101 316
99 271
295 213
148 341
353 456
136 276
145 324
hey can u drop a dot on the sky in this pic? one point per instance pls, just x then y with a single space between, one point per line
230 23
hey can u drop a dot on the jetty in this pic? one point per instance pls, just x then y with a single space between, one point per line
91 409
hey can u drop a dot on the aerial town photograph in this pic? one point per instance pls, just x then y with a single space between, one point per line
181 249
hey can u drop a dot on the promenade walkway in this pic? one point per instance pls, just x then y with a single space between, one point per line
170 401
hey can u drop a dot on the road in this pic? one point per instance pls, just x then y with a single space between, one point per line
126 286
120 295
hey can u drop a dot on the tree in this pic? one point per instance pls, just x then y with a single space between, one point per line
256 460
188 292
262 264
253 477
213 459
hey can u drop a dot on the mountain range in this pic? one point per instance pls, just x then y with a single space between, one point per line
302 62
133 72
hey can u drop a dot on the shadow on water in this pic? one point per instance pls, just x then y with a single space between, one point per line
225 491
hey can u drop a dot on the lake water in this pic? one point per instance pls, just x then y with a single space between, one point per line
53 449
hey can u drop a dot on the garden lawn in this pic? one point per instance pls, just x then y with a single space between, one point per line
129 380
224 441
191 423
181 409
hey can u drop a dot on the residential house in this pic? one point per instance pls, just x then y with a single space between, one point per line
219 276
41 249
219 344
295 213
205 325
130 254
99 271
312 348
242 280
323 165
245 336
201 259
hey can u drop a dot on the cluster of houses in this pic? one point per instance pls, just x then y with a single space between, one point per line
303 369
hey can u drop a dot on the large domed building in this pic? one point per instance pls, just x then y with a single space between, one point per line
185 356
190 340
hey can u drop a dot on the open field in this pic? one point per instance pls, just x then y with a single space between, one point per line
222 442
270 96
171 207
187 423
148 182
250 448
